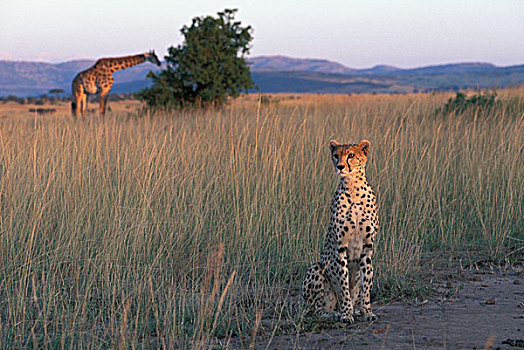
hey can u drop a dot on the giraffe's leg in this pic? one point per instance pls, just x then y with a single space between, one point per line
105 99
78 94
104 95
102 104
84 104
74 105
105 87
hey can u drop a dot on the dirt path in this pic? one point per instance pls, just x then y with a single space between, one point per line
471 310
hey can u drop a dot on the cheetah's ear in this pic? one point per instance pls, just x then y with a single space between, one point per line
333 144
364 146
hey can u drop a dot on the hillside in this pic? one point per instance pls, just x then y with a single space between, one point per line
393 80
284 63
314 82
278 74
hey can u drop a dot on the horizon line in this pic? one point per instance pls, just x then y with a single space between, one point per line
447 63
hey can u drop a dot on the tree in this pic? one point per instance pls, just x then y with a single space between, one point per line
206 68
57 92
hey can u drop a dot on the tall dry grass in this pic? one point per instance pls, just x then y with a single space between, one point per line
178 229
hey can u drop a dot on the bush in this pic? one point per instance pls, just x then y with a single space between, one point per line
13 98
462 103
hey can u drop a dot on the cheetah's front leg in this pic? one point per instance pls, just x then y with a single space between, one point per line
366 277
339 274
356 287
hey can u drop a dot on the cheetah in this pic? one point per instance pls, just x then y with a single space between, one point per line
334 286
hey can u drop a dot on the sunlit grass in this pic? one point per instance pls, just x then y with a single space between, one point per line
176 228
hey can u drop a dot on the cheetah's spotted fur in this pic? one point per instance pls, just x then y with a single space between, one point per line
333 286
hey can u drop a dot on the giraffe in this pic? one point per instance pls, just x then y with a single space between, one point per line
99 78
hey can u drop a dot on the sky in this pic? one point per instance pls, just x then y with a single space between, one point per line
358 34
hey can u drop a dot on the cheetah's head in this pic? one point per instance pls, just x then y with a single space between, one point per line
349 157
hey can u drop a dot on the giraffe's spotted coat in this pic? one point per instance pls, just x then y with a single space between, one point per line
99 79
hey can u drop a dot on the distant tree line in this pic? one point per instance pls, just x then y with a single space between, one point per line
46 99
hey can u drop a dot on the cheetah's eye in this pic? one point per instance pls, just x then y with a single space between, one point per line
351 155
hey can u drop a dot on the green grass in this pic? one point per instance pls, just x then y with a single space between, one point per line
177 228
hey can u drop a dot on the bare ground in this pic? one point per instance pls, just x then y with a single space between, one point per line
470 309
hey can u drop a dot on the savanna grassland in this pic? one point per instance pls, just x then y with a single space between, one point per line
184 229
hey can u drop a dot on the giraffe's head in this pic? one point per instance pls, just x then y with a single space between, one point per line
151 57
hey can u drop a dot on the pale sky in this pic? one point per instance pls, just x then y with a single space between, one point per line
358 34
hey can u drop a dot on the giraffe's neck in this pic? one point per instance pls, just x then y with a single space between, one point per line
119 63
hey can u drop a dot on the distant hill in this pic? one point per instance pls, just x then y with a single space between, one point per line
315 82
303 75
284 63
278 74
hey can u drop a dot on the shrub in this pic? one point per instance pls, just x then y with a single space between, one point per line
462 103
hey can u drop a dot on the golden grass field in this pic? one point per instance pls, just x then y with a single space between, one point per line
175 229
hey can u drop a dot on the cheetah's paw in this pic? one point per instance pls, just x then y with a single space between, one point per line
370 317
333 315
347 319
